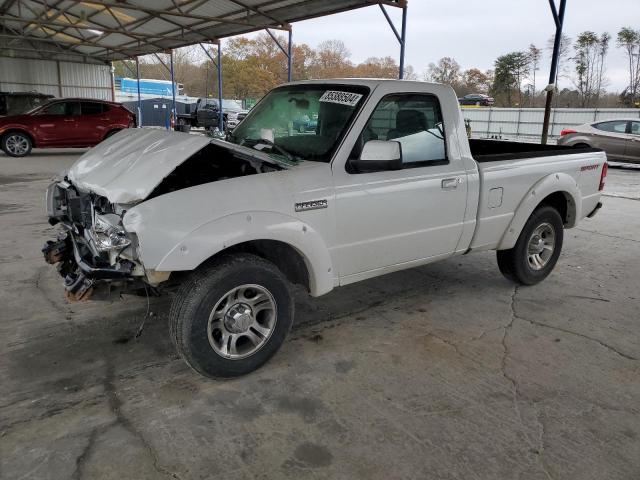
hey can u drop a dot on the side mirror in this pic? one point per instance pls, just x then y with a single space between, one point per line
379 155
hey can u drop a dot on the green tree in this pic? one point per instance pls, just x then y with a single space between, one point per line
510 71
124 68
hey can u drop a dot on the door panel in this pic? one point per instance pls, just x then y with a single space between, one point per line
53 126
92 123
611 137
388 218
393 217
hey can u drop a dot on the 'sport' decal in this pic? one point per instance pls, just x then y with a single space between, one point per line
589 167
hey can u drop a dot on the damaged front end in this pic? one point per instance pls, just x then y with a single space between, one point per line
92 247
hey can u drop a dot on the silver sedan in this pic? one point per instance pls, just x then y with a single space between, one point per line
619 138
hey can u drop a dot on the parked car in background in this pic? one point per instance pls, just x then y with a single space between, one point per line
69 122
16 103
206 114
234 112
477 99
620 138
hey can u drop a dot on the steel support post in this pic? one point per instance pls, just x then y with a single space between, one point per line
173 91
138 86
220 112
403 41
558 17
288 52
402 36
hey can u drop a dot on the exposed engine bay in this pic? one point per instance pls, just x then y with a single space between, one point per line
211 164
93 247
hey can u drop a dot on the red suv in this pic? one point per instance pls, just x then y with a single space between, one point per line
68 122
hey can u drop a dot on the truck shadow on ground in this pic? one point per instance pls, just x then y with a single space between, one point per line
134 333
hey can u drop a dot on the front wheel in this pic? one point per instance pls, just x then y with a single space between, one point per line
231 317
537 250
16 144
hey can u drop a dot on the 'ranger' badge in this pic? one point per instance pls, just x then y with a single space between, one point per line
312 205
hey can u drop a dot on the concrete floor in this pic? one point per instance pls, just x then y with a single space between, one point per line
445 371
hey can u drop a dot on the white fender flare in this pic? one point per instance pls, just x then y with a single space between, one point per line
220 234
556 182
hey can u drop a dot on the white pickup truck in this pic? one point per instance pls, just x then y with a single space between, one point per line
387 180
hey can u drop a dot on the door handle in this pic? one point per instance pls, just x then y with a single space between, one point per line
451 183
68 120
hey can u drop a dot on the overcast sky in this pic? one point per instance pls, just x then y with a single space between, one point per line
474 32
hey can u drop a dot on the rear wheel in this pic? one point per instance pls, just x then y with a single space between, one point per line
16 144
537 250
231 317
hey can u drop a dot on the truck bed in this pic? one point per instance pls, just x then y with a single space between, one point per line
487 150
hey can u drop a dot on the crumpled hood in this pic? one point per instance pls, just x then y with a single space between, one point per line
127 166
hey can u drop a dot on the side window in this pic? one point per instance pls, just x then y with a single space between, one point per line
91 108
58 108
635 128
414 120
616 127
73 108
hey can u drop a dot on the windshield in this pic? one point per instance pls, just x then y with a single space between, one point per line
301 122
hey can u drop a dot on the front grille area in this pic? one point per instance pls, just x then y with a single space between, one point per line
66 204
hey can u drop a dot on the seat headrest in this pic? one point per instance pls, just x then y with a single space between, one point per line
410 120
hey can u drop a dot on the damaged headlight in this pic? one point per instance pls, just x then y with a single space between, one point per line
108 234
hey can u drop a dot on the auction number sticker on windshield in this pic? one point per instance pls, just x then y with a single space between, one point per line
343 98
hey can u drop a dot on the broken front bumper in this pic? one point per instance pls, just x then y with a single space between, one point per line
79 268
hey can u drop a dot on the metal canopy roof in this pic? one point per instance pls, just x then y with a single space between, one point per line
119 29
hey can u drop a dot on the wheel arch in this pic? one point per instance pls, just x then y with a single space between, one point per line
558 190
288 259
20 130
293 246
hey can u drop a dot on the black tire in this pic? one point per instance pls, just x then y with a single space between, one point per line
202 292
581 145
16 144
515 264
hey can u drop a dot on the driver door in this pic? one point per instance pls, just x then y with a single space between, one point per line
56 124
389 219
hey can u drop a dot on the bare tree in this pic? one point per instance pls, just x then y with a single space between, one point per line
603 48
564 56
629 40
446 71
535 54
588 58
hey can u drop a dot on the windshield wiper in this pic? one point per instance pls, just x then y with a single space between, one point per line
289 156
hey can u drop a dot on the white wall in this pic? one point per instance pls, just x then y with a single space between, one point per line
526 123
58 78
